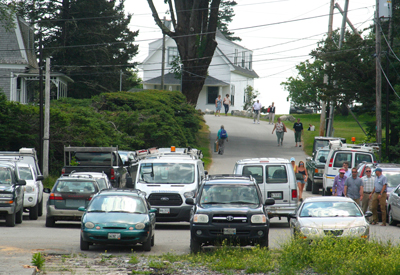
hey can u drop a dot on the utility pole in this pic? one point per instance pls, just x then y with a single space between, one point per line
46 121
41 127
120 80
163 57
378 84
323 105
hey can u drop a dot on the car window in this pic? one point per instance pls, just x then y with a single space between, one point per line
254 171
102 183
321 155
276 174
5 176
341 157
359 158
330 209
117 204
25 173
64 186
227 194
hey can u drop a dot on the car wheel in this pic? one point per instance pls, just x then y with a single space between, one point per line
390 217
152 241
314 188
309 184
40 208
84 245
33 212
10 220
147 244
50 222
18 217
195 246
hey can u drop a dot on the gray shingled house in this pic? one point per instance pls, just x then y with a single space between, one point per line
19 69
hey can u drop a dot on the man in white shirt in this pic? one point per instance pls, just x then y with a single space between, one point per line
256 109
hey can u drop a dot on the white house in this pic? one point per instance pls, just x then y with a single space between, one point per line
230 72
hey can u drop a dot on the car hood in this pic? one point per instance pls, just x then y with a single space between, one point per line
111 218
332 222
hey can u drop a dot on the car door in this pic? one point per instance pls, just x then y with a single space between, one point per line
256 171
277 184
395 203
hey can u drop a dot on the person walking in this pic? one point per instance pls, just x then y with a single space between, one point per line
338 184
227 103
378 195
256 109
301 169
354 187
368 181
218 105
280 130
298 129
272 114
221 137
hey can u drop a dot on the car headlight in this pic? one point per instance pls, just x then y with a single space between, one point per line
258 218
189 194
308 230
358 230
29 189
89 225
140 226
200 218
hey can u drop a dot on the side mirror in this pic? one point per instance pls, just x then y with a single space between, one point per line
368 214
21 182
293 215
129 182
269 201
189 201
82 208
46 190
40 177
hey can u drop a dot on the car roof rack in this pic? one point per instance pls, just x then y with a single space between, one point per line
168 152
338 144
229 176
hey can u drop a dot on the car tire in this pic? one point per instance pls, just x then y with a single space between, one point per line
34 212
309 184
195 246
50 222
314 188
391 221
18 217
10 220
152 241
147 244
84 245
40 208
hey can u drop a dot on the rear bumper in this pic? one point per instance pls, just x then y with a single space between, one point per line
63 214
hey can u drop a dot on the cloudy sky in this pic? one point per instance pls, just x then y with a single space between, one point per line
281 34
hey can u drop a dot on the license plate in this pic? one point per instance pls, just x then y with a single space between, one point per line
164 210
229 231
276 195
114 236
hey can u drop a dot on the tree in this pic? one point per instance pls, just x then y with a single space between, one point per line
225 16
250 95
7 12
195 24
89 40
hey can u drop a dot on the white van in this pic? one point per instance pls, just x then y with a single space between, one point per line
276 179
354 154
168 178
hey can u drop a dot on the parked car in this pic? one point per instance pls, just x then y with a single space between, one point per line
276 179
229 207
67 195
11 195
318 217
393 206
101 178
361 168
315 167
118 216
300 110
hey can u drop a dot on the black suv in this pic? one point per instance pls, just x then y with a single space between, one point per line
11 195
228 207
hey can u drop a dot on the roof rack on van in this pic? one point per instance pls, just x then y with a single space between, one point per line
228 176
338 144
172 151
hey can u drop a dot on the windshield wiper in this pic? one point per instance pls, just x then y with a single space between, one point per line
96 211
214 202
243 202
120 211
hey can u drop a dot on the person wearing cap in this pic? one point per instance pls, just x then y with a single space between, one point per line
293 162
338 184
368 181
354 187
378 195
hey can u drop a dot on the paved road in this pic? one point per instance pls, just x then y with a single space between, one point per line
246 140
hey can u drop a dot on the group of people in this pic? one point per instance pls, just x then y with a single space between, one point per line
368 191
256 108
219 102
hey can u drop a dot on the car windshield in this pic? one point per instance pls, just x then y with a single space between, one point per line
5 176
117 204
160 173
330 209
229 194
25 173
66 186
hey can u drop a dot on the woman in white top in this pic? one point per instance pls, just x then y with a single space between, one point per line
227 103
280 130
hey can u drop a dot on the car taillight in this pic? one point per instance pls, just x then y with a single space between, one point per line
294 193
331 162
112 174
55 196
63 171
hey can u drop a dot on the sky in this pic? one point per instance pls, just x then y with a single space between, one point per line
281 34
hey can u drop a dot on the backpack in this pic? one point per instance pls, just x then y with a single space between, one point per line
223 134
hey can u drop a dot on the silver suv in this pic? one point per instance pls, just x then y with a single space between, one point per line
276 179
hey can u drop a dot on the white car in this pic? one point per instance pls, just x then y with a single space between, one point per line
101 178
33 191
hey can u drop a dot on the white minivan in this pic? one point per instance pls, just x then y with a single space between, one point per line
354 154
276 179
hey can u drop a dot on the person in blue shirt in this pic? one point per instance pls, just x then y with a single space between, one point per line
221 137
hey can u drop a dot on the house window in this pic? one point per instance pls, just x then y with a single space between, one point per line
243 59
172 53
212 94
235 59
232 100
250 61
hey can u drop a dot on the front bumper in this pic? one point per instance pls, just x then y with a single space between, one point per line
64 214
127 236
30 199
7 208
176 214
